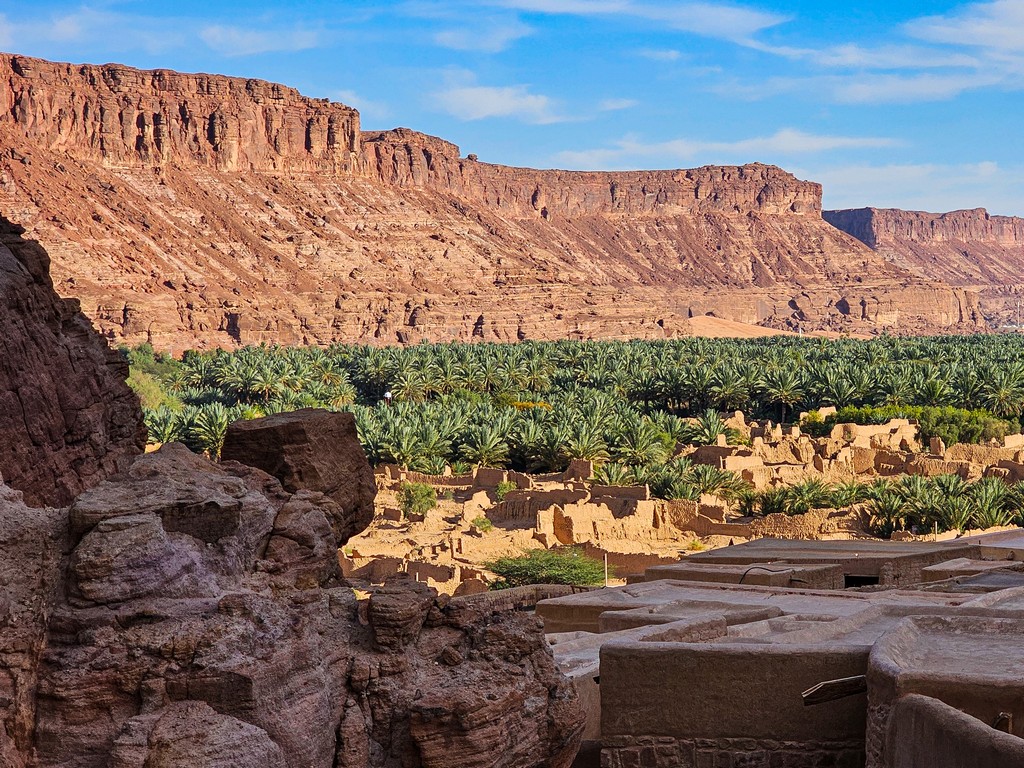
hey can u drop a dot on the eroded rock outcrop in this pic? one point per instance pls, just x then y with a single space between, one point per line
210 211
310 449
124 116
67 418
197 618
971 248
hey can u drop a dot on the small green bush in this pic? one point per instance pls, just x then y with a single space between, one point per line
547 566
150 391
953 425
416 498
482 524
503 488
812 418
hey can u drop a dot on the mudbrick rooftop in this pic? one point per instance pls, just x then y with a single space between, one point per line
682 668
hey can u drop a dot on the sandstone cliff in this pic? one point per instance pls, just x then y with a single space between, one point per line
183 613
186 613
67 418
201 210
969 249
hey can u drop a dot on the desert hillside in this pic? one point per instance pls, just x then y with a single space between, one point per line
198 210
970 249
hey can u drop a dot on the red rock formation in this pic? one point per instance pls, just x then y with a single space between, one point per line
207 211
199 620
122 116
67 418
187 613
310 449
971 249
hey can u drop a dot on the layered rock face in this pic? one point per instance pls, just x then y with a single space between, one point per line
969 249
67 418
121 116
186 613
310 449
194 210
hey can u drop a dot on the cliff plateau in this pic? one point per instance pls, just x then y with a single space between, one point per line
970 249
197 210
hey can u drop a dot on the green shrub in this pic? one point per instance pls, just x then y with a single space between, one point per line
547 566
952 425
151 393
503 488
811 419
416 498
482 524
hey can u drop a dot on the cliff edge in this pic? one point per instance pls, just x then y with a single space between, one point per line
970 249
199 210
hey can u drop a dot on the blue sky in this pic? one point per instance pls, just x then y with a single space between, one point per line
907 104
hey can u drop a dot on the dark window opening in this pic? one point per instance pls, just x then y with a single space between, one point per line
859 581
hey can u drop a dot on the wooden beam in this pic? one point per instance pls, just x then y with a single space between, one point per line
832 690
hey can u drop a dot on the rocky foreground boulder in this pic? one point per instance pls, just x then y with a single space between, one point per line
67 418
310 449
187 613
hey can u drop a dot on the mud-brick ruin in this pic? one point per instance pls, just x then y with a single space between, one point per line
756 656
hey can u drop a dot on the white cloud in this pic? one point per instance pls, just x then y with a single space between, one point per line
980 45
6 33
613 105
656 54
239 41
934 187
368 108
117 31
492 38
575 7
901 89
726 22
722 21
631 152
996 25
851 55
477 102
869 87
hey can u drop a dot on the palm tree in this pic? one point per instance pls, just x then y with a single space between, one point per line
721 482
848 494
613 473
887 512
643 443
729 388
807 495
784 387
485 446
401 445
992 503
209 428
955 513
162 425
585 442
707 429
1002 391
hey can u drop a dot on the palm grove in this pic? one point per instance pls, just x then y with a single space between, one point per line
535 406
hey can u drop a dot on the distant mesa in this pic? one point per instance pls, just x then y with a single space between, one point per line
192 210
